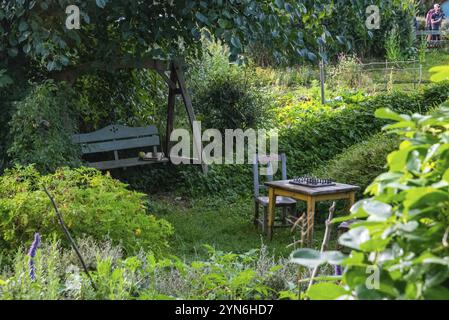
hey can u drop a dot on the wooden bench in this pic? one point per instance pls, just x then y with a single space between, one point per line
124 143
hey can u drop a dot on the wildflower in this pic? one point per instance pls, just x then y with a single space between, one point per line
338 270
32 254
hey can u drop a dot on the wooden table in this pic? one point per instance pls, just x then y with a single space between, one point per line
309 195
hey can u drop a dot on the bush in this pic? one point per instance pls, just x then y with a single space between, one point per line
41 128
230 103
92 204
401 235
318 133
360 163
8 95
224 94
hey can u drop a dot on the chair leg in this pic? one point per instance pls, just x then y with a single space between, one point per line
294 212
265 220
256 213
284 216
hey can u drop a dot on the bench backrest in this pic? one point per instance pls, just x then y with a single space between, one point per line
116 138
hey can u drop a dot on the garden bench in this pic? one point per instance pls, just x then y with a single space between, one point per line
120 145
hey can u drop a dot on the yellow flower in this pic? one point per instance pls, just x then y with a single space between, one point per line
138 232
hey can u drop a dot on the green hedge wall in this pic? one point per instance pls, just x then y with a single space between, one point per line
320 137
317 138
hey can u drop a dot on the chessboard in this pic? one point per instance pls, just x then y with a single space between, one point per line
312 182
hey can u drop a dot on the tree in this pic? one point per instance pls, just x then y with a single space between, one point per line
34 33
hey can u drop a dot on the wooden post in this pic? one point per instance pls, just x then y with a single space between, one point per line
189 108
271 211
170 109
322 75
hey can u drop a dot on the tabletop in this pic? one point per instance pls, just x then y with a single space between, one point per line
309 191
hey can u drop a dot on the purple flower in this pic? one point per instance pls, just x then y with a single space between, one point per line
338 270
32 254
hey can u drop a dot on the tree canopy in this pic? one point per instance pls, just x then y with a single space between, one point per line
35 31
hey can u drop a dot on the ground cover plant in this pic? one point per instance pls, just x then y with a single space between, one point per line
222 275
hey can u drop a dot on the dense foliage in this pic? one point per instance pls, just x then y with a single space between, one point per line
41 128
229 101
35 32
316 133
361 163
91 204
401 237
349 19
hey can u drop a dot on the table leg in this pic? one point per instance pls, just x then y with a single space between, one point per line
310 219
271 209
351 201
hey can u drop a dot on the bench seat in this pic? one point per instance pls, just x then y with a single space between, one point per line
115 139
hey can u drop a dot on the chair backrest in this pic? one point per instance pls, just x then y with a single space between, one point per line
269 161
116 138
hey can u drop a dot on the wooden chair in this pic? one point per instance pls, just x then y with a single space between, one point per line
285 203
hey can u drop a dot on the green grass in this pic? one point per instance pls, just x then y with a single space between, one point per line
434 58
225 224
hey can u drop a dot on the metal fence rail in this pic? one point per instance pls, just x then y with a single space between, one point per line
387 72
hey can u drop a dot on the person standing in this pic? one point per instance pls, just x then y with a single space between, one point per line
437 19
429 22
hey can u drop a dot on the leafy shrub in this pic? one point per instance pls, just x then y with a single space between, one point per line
346 73
393 46
360 163
41 128
230 103
92 204
224 94
251 275
8 96
318 133
402 232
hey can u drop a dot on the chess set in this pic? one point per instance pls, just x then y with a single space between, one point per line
312 182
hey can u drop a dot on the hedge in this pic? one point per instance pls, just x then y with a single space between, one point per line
315 138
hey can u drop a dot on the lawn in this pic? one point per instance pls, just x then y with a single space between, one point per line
225 224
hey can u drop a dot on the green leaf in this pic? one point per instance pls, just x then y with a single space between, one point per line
223 23
101 3
436 293
311 56
441 73
280 4
354 238
236 42
387 113
23 26
326 291
446 175
377 210
202 18
307 257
